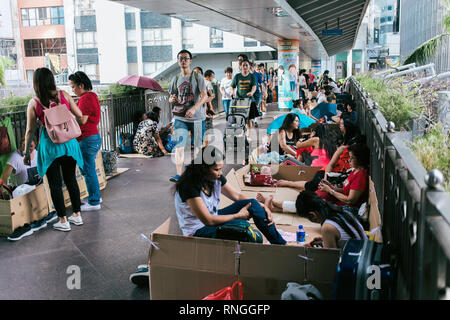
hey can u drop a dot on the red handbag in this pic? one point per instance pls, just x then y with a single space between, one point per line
262 180
227 293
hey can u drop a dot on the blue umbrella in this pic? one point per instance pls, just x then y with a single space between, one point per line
276 124
324 109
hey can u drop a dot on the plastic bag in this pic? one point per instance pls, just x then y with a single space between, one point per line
227 293
22 189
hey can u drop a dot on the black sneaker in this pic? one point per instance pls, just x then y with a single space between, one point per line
52 216
141 276
38 225
21 232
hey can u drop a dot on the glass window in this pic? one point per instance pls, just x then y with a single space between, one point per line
156 37
86 40
250 42
39 47
131 38
215 38
149 68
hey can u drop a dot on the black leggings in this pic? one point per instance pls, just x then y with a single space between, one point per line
67 165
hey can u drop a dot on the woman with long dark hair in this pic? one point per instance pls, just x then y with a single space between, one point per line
147 140
355 190
54 158
90 140
287 136
323 143
338 224
197 200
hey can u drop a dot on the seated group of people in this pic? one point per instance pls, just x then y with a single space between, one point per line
332 202
150 138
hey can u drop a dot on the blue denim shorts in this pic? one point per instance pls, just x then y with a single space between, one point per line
182 130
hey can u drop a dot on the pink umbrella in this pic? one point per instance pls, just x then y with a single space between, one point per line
141 82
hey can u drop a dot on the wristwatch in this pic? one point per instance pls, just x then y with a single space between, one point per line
332 192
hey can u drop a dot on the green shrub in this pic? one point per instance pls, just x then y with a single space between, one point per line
119 90
433 151
396 101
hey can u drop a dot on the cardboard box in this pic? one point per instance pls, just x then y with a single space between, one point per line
279 172
81 183
191 268
25 209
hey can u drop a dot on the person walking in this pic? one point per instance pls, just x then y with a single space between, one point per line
55 157
225 89
188 89
90 140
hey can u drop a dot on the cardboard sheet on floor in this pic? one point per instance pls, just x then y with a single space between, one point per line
191 268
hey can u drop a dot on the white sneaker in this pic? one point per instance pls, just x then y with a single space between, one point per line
75 220
88 207
101 200
62 226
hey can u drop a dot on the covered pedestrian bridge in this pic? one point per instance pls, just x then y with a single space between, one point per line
271 20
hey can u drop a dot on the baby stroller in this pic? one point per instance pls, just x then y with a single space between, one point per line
236 131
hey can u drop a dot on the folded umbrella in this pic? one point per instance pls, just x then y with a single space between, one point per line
276 124
141 82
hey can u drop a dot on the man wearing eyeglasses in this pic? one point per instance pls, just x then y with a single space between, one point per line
187 89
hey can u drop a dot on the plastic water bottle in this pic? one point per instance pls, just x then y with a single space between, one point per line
301 235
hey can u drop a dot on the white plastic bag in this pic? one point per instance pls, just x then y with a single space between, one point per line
22 189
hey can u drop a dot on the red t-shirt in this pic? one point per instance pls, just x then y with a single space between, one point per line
356 181
89 106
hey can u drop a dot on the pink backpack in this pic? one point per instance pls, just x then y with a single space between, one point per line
60 123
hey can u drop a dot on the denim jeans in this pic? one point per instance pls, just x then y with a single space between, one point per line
226 106
257 213
89 148
182 129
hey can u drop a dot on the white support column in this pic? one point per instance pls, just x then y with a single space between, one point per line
349 63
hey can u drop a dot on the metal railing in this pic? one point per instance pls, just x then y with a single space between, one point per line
117 114
415 210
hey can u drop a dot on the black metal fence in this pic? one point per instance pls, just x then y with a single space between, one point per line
415 210
117 114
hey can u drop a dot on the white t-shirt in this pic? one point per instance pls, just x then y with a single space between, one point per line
225 83
20 175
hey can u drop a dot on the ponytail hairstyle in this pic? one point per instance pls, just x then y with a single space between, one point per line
308 201
327 139
80 78
197 172
44 84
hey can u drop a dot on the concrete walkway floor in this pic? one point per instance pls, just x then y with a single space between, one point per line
107 248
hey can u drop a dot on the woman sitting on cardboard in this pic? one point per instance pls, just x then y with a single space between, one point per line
147 140
197 200
320 146
337 223
339 162
355 190
287 137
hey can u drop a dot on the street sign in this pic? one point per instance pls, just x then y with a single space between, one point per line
332 32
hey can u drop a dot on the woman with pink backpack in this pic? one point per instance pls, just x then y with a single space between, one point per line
58 150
